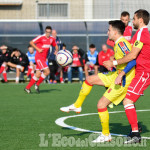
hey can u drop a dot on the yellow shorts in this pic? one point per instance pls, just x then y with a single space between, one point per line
115 93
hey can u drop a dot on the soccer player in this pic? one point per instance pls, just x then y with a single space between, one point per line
140 52
31 56
42 45
115 93
20 61
125 18
90 60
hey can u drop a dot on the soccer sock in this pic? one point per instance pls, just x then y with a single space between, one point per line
17 79
85 90
104 118
5 76
2 68
61 79
132 116
42 77
29 70
32 81
32 73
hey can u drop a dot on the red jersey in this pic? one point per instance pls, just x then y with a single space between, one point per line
104 56
44 43
76 61
143 59
127 35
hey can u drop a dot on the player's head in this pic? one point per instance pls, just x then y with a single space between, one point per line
30 49
125 17
104 48
54 33
4 49
64 46
75 49
92 48
48 30
141 18
16 52
116 29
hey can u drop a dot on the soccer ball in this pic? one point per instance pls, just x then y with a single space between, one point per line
64 57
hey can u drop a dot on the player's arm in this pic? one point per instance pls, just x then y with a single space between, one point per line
129 66
35 47
56 49
130 56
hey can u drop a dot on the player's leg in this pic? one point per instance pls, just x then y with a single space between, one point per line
69 72
43 75
17 75
80 74
84 92
2 68
86 70
104 119
5 75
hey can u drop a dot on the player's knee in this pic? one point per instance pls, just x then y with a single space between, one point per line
89 80
47 72
127 101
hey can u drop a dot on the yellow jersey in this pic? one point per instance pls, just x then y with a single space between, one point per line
121 48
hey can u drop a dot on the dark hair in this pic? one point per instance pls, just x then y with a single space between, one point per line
92 46
16 50
142 13
29 46
48 27
119 25
125 13
64 45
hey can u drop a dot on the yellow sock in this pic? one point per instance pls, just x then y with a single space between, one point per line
104 118
85 90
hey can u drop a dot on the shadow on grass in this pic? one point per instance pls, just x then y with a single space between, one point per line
48 90
116 128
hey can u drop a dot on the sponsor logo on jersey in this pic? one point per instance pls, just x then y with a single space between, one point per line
46 46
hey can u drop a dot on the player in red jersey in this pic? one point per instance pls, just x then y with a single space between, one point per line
42 44
125 18
140 52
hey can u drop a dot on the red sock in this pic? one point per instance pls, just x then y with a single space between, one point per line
2 68
132 116
29 70
32 81
61 79
42 77
32 73
5 76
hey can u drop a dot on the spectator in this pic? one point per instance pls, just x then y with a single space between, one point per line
20 60
105 54
53 66
90 60
4 59
77 63
31 57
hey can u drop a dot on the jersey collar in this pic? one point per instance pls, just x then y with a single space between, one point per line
118 39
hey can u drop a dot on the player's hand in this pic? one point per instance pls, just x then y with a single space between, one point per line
55 53
108 64
118 80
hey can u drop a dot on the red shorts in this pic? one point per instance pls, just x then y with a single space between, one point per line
40 64
139 83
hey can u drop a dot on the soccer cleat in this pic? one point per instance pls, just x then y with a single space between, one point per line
71 108
61 81
111 105
27 91
37 89
102 138
133 138
50 81
139 128
54 82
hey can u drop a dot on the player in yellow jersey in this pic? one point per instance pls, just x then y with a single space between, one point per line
116 92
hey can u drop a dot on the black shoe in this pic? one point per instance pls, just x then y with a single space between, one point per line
27 91
37 89
133 138
139 128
